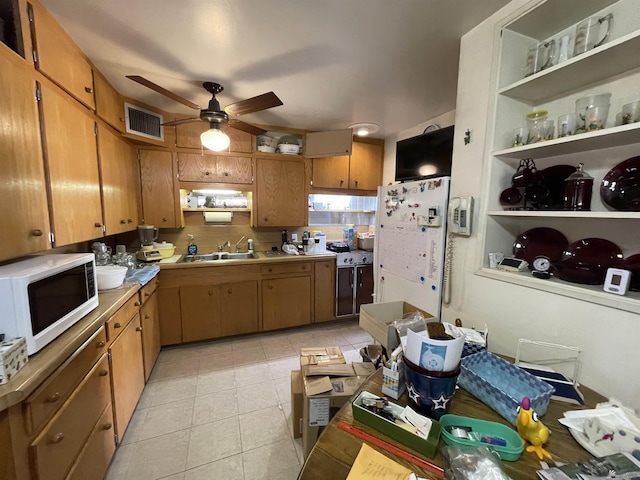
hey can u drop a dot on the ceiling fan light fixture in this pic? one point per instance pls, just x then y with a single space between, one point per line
215 139
363 129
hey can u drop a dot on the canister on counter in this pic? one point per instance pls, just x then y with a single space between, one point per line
349 236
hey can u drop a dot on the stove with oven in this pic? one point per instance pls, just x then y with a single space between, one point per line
354 283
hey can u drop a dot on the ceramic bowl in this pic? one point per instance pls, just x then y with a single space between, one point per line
110 276
289 149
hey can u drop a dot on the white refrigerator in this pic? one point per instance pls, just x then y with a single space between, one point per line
410 241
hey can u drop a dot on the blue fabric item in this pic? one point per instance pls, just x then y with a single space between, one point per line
143 275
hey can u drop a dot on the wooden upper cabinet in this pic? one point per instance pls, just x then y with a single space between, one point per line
188 136
160 204
58 57
72 162
365 168
362 170
331 172
281 199
109 103
328 144
120 182
25 225
214 168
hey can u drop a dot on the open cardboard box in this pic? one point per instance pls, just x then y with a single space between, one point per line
323 396
377 319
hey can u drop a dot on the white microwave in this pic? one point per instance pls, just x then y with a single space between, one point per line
43 296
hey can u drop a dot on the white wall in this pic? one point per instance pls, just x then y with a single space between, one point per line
609 338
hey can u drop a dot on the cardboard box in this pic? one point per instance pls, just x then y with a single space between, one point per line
324 396
13 356
296 403
393 382
321 356
377 319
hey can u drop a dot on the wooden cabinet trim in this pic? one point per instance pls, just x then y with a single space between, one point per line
121 319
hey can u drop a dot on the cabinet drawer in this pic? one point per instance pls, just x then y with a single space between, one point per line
95 457
58 445
43 403
148 289
281 268
122 317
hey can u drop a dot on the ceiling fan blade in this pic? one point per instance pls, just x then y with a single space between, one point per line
254 104
181 121
163 91
246 127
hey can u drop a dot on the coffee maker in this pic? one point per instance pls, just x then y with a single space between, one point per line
147 253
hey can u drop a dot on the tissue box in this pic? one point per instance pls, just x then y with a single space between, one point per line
13 356
501 385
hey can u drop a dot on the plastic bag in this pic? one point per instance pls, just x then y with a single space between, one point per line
413 321
471 463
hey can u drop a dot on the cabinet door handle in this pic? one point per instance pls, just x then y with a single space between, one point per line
103 373
97 225
266 219
136 304
207 173
101 344
270 270
270 287
230 291
356 182
158 281
147 317
88 89
123 221
53 398
210 292
129 220
341 181
36 233
164 219
57 438
226 174
107 426
146 294
304 267
138 329
117 325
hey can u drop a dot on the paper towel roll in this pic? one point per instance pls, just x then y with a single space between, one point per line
218 217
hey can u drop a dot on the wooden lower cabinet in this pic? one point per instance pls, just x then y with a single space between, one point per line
213 311
127 374
324 300
169 315
94 459
55 449
286 302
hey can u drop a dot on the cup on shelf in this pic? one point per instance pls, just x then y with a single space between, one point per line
566 125
589 101
546 129
520 136
630 113
540 55
596 118
564 48
590 33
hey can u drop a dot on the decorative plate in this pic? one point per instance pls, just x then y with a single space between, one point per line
540 241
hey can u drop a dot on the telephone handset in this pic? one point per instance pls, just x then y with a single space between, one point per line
460 215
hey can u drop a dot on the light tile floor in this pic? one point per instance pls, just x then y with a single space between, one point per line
222 409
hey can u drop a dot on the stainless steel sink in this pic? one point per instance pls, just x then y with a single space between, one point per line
212 257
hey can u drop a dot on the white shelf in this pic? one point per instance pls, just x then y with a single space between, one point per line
588 293
607 61
583 142
564 214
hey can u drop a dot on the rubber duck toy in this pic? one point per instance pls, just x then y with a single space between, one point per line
531 429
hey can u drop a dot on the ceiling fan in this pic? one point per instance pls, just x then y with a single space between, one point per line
214 138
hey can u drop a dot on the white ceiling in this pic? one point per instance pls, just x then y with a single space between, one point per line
332 62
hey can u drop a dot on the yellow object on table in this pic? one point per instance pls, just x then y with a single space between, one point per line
371 464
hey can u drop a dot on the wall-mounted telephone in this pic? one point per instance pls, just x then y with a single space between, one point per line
460 215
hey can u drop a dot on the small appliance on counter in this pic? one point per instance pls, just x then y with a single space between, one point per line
147 252
338 247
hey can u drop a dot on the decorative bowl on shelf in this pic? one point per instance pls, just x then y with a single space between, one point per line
620 187
586 261
632 264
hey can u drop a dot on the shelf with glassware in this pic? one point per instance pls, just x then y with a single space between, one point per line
552 90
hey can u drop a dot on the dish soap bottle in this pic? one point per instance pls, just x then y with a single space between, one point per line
192 249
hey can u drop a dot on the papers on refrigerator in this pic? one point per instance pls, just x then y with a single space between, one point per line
433 354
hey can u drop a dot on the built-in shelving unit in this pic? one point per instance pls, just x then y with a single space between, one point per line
612 68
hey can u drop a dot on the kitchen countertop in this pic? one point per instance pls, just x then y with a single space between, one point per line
171 263
43 363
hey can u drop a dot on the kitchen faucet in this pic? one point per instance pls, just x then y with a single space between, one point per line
226 244
238 244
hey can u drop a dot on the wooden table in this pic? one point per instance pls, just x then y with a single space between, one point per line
335 451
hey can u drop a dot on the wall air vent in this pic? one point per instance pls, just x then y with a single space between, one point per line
143 122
